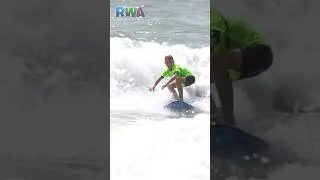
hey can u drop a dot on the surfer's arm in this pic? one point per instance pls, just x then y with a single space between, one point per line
172 79
157 81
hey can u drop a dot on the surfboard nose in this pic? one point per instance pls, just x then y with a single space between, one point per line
179 106
182 109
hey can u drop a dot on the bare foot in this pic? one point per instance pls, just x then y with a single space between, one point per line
216 116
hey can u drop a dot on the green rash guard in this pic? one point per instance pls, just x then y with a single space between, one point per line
181 72
231 34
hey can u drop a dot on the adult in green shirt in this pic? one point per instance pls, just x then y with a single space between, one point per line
237 52
180 77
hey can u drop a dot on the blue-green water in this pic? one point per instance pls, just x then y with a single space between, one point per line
166 21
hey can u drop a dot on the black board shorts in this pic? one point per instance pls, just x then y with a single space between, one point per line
255 60
189 80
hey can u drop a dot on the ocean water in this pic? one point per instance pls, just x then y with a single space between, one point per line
146 142
173 22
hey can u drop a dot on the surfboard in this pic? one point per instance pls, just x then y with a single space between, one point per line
231 140
180 109
179 106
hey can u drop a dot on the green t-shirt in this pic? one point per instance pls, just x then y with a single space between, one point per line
175 69
231 34
227 34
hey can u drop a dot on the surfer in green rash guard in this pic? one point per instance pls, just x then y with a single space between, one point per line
237 51
180 77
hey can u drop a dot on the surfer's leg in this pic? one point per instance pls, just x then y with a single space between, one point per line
251 61
220 63
173 91
215 112
179 81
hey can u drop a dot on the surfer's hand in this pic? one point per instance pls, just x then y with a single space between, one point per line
164 86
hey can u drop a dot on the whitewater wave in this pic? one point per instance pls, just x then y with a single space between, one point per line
135 65
145 142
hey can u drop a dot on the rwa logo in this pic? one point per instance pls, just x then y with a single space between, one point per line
122 11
